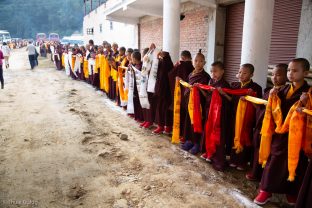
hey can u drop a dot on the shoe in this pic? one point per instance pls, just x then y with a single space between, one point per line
142 124
262 198
147 125
168 130
159 130
240 168
131 115
187 145
195 149
233 165
182 140
291 200
250 177
204 156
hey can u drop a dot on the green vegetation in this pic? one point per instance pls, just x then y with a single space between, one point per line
25 18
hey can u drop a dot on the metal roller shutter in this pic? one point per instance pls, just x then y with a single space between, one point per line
233 40
286 20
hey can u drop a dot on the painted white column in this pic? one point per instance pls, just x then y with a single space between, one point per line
171 28
304 46
257 37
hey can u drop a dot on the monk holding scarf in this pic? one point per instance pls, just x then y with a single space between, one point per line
198 75
279 78
182 70
217 81
244 118
275 138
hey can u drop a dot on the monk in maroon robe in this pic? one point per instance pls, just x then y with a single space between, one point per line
138 113
218 159
193 140
162 92
182 69
275 173
279 78
245 74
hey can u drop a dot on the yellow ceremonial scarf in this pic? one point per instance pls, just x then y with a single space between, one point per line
176 113
63 60
102 75
73 63
97 64
106 75
239 121
85 68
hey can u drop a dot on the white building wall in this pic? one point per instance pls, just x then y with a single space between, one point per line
121 33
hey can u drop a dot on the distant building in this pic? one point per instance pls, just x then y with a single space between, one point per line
98 27
261 32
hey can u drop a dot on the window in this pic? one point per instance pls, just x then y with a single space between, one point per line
90 31
101 27
111 25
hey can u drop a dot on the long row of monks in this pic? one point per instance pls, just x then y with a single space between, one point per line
235 125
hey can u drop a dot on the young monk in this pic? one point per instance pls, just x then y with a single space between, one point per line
136 68
275 173
218 159
127 80
182 69
198 75
304 197
245 74
149 60
119 60
162 93
279 78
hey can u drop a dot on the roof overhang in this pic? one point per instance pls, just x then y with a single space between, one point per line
130 11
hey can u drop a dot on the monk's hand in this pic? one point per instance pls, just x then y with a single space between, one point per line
304 98
220 91
153 46
178 79
300 109
250 92
242 98
273 91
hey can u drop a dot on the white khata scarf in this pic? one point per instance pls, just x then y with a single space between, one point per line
153 71
67 66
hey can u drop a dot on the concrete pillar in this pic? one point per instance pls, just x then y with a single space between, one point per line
171 28
304 46
257 37
211 41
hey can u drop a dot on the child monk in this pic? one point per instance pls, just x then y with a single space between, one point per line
218 158
275 173
182 69
279 78
136 68
240 159
304 197
162 93
198 75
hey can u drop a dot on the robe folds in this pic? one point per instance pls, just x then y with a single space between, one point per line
162 92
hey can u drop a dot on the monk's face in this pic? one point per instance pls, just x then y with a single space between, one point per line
216 72
199 62
121 52
279 76
296 72
244 74
129 57
115 47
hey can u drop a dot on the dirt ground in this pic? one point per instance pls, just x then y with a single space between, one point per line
61 146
